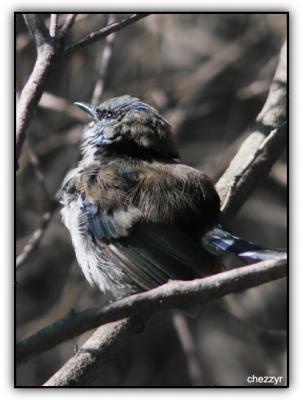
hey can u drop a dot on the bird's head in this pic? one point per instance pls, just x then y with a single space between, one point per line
127 125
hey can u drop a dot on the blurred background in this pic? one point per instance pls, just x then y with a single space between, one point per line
209 75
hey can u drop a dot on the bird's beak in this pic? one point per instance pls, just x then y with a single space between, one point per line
89 108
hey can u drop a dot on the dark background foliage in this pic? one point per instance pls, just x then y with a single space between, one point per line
209 74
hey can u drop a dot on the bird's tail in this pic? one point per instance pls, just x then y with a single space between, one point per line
218 241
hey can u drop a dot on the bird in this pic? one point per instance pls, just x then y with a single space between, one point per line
137 216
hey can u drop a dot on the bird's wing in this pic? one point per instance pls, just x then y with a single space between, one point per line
148 220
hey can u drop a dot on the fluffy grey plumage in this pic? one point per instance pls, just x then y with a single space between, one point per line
136 216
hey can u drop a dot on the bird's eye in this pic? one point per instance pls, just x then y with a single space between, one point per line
109 115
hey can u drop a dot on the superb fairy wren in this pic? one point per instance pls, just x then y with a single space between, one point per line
136 215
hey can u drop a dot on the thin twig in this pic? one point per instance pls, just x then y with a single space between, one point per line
102 33
172 295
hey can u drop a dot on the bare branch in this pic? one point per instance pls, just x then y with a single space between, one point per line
174 294
33 89
68 23
94 354
102 33
261 149
53 25
37 29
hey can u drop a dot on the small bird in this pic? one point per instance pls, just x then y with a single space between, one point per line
137 216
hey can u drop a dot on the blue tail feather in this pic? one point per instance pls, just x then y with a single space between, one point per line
218 241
